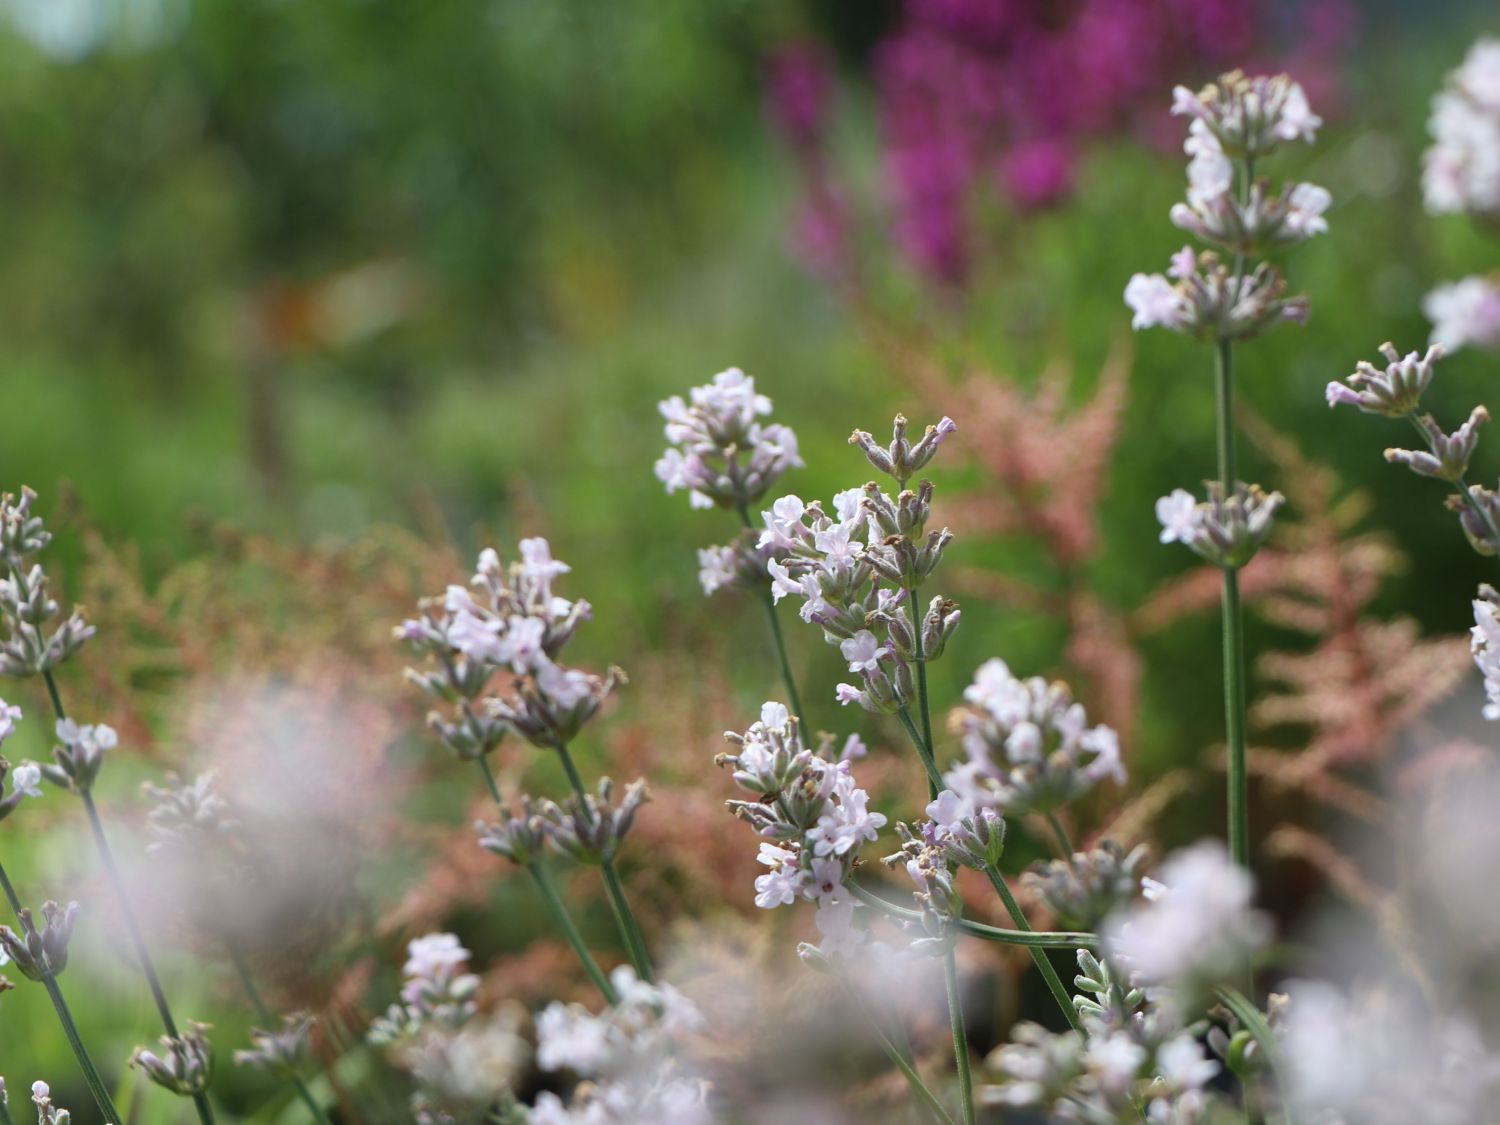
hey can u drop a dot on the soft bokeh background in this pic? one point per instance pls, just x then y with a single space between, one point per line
278 278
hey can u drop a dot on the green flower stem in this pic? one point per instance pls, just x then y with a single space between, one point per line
776 635
5 1118
1043 939
630 931
916 630
960 1040
1462 485
97 1089
570 931
1044 966
934 778
269 1023
1255 1023
1233 619
132 924
553 900
900 1056
1065 845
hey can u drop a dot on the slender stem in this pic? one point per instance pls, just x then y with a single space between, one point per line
269 1022
554 901
934 778
132 924
1462 485
960 1040
5 1118
901 1058
777 636
1233 623
1044 966
1064 844
97 1089
564 922
916 629
630 931
1036 939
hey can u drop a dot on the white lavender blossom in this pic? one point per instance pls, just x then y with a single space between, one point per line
1029 746
720 452
1461 171
1248 116
1225 532
1202 297
23 780
437 990
463 1073
1465 313
1200 931
1484 643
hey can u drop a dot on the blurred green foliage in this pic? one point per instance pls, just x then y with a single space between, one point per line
294 264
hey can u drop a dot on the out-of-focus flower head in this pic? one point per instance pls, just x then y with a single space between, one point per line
79 755
720 451
27 647
1086 886
184 1065
282 1052
436 990
1465 313
1462 168
1029 746
41 953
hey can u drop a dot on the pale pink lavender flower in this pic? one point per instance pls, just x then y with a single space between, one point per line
1485 646
1028 744
1396 391
1461 171
1464 313
1200 931
1223 531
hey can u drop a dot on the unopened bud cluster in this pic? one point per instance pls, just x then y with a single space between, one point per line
1086 886
590 829
1237 120
46 1112
1224 531
186 816
283 1052
40 954
30 644
184 1064
1028 744
857 571
516 624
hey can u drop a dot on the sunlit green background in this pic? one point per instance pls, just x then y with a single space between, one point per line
300 266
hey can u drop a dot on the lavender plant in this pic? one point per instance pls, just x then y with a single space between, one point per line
1234 124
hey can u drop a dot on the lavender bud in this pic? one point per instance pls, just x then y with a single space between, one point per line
940 623
1226 533
517 838
902 460
771 754
282 1052
590 830
46 1112
21 533
40 953
1449 459
1477 526
25 781
1249 116
186 1064
1394 392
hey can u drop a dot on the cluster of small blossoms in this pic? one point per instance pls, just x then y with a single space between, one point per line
1028 744
587 830
79 754
857 571
184 1064
30 645
436 990
1084 888
1236 119
1396 392
1226 532
725 457
627 1055
516 624
811 814
956 833
1195 926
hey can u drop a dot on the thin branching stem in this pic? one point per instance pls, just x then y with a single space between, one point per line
630 931
97 1089
1038 955
777 637
1036 939
1064 844
960 1037
901 1056
269 1023
1233 622
1480 512
127 911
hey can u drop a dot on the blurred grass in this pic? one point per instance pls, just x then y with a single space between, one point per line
597 216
